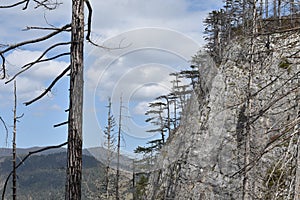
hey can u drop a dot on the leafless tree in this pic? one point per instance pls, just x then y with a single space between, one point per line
110 145
118 150
267 8
76 68
14 144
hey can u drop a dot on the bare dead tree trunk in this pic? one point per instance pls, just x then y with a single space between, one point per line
168 113
14 144
297 178
74 166
162 125
244 17
248 133
261 9
108 133
279 12
275 8
118 151
133 180
267 8
261 13
175 114
292 11
292 7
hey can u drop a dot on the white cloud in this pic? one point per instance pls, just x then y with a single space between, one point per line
56 107
178 30
146 63
16 19
159 36
180 15
32 82
141 108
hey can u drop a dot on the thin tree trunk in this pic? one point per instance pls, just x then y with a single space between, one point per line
267 8
244 17
275 8
261 13
109 128
297 177
162 125
14 144
175 114
133 181
168 111
261 9
279 12
248 133
118 151
292 11
74 166
292 7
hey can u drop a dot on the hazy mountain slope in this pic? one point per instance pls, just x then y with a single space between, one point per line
42 177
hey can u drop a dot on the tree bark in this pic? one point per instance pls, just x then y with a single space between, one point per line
109 130
74 166
292 7
279 12
297 176
248 131
118 151
275 8
267 8
14 144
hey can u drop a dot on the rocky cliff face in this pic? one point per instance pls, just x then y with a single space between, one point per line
239 132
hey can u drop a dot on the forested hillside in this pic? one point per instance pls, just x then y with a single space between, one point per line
42 177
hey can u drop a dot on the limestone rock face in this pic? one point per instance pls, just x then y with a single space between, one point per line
205 157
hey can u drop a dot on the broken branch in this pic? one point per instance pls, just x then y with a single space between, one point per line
50 86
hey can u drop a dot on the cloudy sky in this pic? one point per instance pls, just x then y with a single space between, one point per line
145 41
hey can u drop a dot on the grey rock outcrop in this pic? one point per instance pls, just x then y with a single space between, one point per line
205 157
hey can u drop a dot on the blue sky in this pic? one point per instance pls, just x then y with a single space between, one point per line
156 37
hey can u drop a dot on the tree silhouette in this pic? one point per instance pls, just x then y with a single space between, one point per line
110 145
76 68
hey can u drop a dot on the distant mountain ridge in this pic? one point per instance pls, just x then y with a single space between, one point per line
99 153
23 151
42 177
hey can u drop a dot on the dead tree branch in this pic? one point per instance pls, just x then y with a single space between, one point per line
47 50
61 124
25 158
88 35
37 40
89 30
39 60
49 87
16 4
48 6
50 35
42 28
268 107
6 129
3 66
268 147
